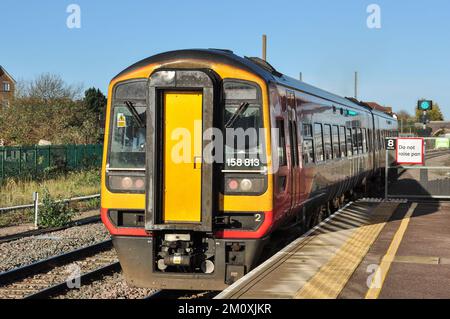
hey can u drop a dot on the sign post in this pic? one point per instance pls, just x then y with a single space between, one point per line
36 209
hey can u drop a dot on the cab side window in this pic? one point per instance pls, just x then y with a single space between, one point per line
281 143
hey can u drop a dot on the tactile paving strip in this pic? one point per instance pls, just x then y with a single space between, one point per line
332 277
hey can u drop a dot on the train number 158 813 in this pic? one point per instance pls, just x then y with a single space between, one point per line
246 162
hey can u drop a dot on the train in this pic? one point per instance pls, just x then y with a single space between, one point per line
207 154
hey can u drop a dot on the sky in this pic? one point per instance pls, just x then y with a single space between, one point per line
407 58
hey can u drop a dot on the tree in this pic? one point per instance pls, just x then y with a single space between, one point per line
404 116
434 115
47 86
95 100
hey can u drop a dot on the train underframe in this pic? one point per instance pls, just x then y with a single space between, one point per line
214 267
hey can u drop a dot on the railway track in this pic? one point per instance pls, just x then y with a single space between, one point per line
56 275
42 231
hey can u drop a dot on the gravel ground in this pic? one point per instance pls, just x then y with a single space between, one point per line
113 286
60 274
28 250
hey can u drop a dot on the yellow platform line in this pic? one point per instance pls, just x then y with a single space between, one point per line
382 271
329 281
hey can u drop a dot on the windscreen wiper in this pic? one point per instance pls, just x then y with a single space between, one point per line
135 114
241 109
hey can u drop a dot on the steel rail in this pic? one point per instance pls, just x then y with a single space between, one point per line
41 231
19 273
62 287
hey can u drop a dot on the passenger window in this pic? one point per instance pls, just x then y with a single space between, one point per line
308 144
327 142
318 141
369 140
349 142
365 146
281 143
360 141
307 130
308 151
343 143
335 139
355 141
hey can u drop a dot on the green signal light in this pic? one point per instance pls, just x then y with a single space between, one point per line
351 113
425 105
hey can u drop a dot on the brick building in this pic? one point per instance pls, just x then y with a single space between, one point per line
7 87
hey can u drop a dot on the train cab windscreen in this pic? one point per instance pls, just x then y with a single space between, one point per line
243 122
128 133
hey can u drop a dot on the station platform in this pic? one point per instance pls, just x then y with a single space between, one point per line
369 249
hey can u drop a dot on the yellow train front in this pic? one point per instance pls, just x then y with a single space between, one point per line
179 217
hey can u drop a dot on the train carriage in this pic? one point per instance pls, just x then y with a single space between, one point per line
187 210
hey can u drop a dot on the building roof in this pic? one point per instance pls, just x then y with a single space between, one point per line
376 106
2 69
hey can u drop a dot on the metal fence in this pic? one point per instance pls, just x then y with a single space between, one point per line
429 179
35 161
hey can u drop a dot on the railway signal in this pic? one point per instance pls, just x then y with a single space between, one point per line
425 105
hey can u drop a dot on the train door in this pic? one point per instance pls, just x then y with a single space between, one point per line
294 153
180 184
182 167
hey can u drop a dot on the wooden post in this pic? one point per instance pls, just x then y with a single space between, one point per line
264 47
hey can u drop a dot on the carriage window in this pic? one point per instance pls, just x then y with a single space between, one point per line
355 141
308 151
369 140
318 141
327 142
281 143
343 143
335 139
364 136
307 130
360 141
308 144
349 142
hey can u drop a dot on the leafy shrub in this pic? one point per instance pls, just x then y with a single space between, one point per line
54 213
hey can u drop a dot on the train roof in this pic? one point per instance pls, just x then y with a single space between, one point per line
254 65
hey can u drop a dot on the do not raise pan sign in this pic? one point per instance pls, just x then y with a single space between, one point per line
410 151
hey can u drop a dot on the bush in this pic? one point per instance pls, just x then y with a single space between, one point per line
54 213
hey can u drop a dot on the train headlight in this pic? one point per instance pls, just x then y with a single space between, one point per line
126 183
246 185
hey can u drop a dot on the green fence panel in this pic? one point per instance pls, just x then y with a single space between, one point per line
32 161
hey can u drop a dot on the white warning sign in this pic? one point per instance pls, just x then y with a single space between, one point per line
410 151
